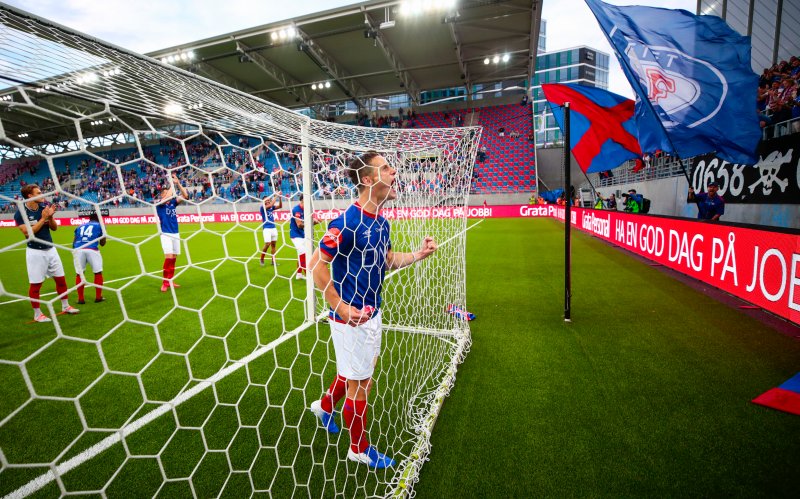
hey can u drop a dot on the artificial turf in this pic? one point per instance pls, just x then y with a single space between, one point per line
646 393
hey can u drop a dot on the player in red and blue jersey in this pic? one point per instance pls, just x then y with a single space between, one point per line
298 237
269 229
167 211
86 245
40 256
358 248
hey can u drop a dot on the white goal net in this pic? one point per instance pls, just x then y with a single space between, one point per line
204 389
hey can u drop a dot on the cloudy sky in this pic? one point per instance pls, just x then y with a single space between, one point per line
147 25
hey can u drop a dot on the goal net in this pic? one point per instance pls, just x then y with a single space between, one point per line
204 390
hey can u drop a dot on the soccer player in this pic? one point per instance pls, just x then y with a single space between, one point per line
270 231
298 236
88 238
41 257
358 248
167 211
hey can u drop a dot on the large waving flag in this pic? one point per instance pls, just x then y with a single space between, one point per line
692 75
602 127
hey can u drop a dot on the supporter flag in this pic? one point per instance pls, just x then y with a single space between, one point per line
692 76
602 127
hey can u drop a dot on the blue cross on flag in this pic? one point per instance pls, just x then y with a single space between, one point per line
692 75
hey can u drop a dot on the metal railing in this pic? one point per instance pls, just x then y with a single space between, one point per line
787 127
663 167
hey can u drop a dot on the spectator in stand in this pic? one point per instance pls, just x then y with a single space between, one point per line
710 205
598 201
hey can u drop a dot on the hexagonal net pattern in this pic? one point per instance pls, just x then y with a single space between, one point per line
204 389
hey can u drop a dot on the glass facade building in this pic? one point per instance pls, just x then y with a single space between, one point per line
773 26
583 65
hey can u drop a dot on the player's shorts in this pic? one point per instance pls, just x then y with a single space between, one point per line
357 347
43 264
81 257
171 244
301 245
270 235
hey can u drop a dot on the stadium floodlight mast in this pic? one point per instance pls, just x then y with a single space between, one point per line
214 399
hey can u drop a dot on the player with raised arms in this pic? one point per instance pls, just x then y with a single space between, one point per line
298 237
86 244
167 211
358 248
40 256
268 207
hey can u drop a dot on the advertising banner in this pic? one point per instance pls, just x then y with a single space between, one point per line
759 266
775 179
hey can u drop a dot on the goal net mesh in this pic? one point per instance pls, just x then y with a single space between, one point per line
204 390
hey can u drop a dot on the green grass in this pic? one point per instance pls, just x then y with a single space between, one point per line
645 393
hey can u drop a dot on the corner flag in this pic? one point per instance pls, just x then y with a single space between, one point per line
603 131
692 75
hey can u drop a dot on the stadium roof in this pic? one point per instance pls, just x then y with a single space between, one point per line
370 49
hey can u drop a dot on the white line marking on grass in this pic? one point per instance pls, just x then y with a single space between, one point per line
42 480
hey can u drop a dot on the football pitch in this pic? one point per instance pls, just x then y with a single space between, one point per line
646 393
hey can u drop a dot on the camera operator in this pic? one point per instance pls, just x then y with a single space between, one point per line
633 201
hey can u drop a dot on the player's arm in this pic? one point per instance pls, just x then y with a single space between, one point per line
322 278
184 195
299 220
278 204
395 260
691 196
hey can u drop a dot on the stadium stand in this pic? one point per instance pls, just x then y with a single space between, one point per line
505 164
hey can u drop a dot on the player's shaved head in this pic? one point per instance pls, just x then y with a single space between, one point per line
362 167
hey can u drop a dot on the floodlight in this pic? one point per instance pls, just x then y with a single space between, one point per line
486 61
313 86
327 84
506 57
274 36
496 59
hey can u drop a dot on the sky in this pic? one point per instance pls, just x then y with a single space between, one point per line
148 25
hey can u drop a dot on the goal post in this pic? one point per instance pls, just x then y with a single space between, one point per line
203 390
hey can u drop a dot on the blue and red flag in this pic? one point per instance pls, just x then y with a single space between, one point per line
602 126
693 79
784 398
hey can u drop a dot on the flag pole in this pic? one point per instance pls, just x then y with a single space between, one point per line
567 220
536 153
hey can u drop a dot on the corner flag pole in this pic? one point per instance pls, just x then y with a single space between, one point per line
567 219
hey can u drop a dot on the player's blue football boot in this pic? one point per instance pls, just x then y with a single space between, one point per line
372 458
328 420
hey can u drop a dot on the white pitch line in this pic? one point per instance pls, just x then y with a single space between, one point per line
154 273
42 480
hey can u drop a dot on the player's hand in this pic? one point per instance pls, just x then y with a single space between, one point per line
691 190
429 246
353 316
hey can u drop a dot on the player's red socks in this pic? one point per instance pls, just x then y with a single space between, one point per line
334 394
302 268
355 416
169 269
61 289
263 254
98 291
33 293
80 286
